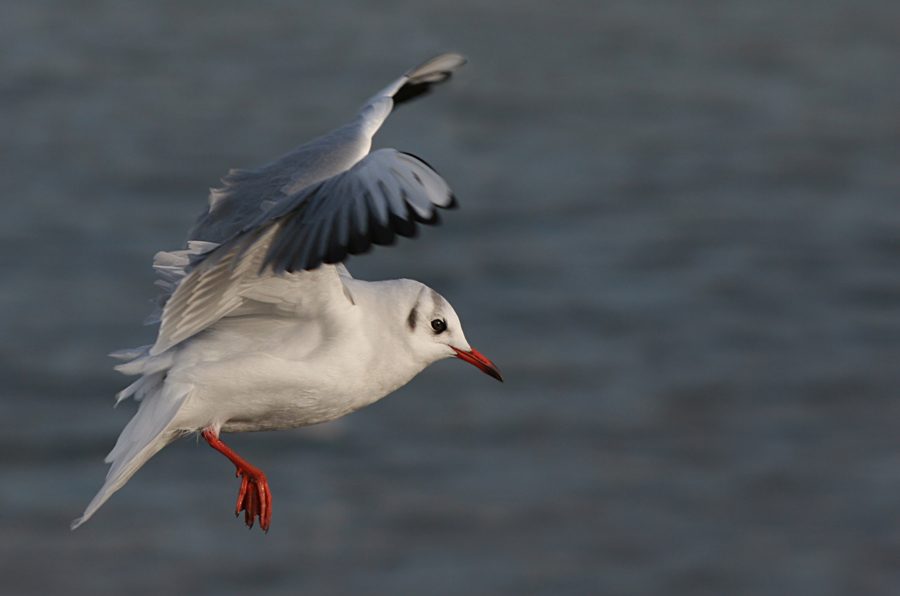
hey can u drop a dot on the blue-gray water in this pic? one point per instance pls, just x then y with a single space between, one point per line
679 240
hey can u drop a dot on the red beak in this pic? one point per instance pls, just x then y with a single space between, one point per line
475 357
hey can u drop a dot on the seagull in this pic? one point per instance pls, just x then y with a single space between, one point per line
261 325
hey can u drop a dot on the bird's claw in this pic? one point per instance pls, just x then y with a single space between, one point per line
254 499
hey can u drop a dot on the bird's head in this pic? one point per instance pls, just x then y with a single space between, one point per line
435 331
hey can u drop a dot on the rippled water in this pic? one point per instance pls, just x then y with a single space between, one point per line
679 240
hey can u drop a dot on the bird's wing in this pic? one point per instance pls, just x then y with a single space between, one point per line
385 194
246 194
314 206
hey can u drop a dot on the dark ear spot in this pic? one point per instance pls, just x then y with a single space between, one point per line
412 318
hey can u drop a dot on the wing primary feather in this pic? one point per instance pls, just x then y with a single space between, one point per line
360 215
376 207
379 233
401 225
384 195
336 253
424 77
396 201
342 234
323 238
452 204
358 244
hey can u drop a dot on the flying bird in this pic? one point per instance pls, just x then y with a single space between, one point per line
261 325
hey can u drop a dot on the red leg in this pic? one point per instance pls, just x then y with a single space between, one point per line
254 498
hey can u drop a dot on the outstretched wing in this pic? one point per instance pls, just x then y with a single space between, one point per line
385 194
317 204
246 194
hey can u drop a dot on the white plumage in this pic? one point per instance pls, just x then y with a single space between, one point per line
263 328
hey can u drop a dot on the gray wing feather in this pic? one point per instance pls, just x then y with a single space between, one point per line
206 294
316 205
385 194
245 193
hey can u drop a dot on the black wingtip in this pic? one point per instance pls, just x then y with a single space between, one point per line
428 74
409 92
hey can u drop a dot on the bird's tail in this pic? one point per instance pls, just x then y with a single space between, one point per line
146 433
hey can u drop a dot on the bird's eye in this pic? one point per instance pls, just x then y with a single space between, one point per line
439 325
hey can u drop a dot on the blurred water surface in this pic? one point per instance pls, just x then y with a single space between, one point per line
679 240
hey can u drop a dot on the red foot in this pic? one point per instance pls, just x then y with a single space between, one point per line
254 498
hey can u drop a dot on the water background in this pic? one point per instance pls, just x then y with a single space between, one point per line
679 240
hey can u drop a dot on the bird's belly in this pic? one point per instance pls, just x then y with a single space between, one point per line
272 394
277 412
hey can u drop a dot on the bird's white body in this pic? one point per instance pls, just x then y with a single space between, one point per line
262 327
253 373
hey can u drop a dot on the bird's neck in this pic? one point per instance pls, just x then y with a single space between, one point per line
382 319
